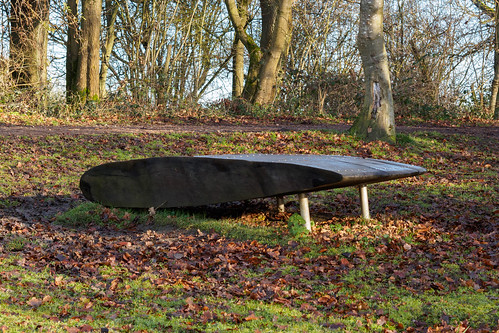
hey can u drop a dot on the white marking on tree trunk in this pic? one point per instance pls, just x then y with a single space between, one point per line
376 99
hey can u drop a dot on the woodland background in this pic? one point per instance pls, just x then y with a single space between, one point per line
163 58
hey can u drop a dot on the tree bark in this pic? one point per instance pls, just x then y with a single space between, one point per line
493 13
164 79
265 59
237 69
494 108
93 16
29 23
273 49
111 13
85 43
238 52
236 15
72 50
376 120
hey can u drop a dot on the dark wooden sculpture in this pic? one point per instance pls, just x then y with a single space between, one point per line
164 182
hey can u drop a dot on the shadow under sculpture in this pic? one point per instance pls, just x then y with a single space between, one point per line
187 181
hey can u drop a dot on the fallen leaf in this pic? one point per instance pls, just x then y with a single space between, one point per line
252 316
58 280
381 321
345 262
34 302
207 316
307 307
86 328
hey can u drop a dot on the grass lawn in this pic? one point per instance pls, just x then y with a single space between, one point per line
426 261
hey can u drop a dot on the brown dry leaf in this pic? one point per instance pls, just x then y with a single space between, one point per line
362 306
86 328
114 284
34 302
326 299
307 307
345 262
88 305
58 280
381 321
207 316
64 310
252 316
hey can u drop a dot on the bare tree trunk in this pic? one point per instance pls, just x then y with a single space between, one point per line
82 63
164 79
93 11
238 49
238 69
72 50
111 13
494 108
86 44
269 9
255 54
376 120
271 62
265 59
28 42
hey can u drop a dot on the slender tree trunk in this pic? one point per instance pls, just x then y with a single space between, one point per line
111 13
82 63
238 49
236 15
93 11
376 120
238 69
72 48
29 21
494 107
164 79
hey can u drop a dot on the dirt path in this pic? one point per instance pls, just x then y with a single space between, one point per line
16 130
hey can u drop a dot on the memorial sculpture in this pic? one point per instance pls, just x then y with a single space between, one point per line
187 181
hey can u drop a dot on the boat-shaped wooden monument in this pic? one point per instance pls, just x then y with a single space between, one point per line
186 181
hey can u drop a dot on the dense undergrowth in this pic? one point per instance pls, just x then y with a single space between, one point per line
427 261
26 108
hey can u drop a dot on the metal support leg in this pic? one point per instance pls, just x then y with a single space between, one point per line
304 211
364 202
280 204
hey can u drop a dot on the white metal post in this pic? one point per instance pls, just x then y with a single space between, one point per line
280 204
304 210
364 202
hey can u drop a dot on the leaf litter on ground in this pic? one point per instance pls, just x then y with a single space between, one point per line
427 261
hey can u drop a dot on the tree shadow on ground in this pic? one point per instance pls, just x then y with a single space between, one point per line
39 208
